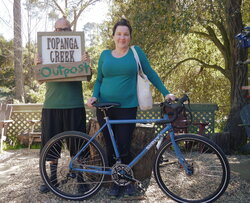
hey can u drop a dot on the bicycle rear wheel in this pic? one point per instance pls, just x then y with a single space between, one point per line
55 171
210 170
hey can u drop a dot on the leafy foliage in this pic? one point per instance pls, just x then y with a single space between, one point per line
6 69
245 8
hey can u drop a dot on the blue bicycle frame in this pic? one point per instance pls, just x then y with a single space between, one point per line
160 135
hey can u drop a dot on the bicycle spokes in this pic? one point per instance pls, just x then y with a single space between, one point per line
207 173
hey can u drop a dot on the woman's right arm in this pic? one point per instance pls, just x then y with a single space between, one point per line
98 83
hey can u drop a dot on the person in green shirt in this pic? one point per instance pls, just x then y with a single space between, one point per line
63 109
116 82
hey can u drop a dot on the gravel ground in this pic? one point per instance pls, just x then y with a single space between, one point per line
20 180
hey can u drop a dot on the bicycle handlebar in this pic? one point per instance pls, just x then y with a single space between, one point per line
177 108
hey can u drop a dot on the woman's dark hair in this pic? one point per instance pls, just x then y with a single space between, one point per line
122 22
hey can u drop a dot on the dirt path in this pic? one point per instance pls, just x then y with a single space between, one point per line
20 180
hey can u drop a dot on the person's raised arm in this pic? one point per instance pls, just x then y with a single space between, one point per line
85 57
38 59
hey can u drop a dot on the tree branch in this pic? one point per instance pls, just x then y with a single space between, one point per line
57 5
226 41
212 36
216 41
82 8
205 65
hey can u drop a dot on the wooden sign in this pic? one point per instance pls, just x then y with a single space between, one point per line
64 71
61 54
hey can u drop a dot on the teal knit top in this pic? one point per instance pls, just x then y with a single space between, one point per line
117 77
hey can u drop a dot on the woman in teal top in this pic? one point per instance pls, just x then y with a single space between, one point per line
116 82
117 75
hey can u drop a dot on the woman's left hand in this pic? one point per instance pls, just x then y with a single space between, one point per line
170 97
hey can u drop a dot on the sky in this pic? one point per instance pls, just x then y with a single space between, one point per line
96 13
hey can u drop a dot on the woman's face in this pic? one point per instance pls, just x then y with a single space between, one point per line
122 37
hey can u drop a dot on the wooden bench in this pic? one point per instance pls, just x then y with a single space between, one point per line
33 136
29 135
5 112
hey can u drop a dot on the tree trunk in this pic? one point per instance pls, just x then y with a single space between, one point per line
238 96
19 87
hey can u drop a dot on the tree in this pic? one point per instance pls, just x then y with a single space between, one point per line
238 74
92 32
221 22
6 63
34 15
72 8
19 87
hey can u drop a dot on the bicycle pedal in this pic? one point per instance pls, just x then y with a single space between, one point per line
140 187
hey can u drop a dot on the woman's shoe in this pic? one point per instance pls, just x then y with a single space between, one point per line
44 189
82 188
129 190
53 179
115 191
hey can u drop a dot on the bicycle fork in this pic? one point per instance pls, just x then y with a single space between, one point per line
187 167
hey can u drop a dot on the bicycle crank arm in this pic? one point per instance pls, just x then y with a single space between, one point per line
137 182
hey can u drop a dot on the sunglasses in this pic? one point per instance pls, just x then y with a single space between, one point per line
62 29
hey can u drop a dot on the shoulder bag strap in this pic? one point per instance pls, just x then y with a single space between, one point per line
137 59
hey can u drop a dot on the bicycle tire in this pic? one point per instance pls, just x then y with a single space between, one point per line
211 171
69 184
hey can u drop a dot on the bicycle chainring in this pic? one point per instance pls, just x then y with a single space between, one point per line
122 174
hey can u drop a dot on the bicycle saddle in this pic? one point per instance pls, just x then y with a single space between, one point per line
106 105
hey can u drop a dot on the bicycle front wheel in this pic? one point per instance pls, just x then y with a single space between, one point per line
210 170
55 170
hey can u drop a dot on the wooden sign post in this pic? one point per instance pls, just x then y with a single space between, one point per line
61 54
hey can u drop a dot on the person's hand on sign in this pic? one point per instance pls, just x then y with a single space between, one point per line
37 59
91 101
85 57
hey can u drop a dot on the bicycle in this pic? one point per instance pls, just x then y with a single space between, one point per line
187 167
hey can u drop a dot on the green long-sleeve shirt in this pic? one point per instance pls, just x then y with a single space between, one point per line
117 78
63 95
